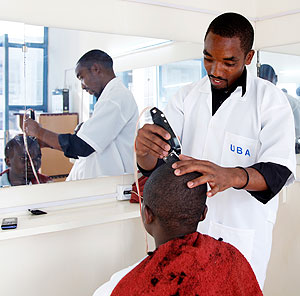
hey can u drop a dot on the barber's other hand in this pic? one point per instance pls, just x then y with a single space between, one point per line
31 127
218 178
148 141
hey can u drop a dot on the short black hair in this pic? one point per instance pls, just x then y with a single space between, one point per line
19 140
169 198
267 72
96 56
231 25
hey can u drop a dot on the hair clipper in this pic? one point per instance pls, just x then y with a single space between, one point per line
32 114
160 119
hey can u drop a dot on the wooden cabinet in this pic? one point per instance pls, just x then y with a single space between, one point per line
54 163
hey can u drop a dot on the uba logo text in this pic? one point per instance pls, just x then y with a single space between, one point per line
239 150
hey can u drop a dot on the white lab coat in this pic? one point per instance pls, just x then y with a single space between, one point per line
256 127
110 131
295 105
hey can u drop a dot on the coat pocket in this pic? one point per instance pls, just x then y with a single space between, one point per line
238 150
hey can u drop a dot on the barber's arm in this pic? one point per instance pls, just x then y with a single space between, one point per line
32 128
71 145
150 147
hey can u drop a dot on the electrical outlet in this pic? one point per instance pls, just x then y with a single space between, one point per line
124 192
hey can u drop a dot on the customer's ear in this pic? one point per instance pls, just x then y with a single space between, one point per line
203 216
148 215
7 161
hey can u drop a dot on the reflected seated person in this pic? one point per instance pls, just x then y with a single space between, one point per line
19 170
185 262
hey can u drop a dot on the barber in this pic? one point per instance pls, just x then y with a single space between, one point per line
103 146
237 130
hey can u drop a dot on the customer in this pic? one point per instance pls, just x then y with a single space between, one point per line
20 171
185 262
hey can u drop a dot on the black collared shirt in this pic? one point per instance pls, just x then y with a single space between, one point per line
219 96
274 174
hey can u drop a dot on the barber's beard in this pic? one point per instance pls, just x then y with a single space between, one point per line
225 88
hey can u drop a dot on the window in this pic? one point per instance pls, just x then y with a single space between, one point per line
154 86
173 76
23 74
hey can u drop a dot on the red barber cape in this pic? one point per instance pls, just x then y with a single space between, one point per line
42 178
196 264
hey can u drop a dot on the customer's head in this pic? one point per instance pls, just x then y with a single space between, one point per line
268 73
227 49
17 159
169 206
94 69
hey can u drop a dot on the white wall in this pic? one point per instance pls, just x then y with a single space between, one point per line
283 270
112 16
123 17
277 31
267 8
73 262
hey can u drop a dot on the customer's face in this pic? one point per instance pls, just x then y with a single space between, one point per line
224 60
90 79
19 162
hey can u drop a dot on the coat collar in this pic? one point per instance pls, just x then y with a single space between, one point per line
241 88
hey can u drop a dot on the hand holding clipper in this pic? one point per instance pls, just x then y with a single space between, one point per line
159 119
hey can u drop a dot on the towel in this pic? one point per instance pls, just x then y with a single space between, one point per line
134 197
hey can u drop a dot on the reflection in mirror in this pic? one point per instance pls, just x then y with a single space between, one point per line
155 85
22 170
23 59
284 71
44 79
12 85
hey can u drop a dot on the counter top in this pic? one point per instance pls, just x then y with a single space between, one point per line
102 211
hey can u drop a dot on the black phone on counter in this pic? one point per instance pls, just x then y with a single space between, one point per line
160 119
9 223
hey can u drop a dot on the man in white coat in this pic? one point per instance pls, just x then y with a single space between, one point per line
103 146
238 131
268 73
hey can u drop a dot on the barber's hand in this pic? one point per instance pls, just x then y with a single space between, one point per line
218 178
31 127
148 141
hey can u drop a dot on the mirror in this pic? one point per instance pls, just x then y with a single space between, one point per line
42 77
285 60
12 92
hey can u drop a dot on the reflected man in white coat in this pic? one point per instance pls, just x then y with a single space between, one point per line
268 73
103 146
238 131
